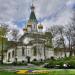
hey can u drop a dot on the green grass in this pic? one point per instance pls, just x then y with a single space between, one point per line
34 68
52 72
6 73
62 72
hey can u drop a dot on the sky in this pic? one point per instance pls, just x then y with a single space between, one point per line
48 12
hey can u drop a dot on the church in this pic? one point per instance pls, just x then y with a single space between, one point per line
31 45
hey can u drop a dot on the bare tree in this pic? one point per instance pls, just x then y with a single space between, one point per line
58 34
54 30
70 33
15 34
61 32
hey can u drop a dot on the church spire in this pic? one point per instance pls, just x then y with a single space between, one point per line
32 8
32 15
32 22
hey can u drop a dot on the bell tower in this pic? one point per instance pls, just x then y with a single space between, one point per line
32 22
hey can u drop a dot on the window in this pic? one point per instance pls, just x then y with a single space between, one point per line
35 51
13 53
23 51
9 57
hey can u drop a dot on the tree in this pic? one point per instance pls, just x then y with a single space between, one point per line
73 31
3 32
62 40
15 34
58 36
68 34
47 42
49 37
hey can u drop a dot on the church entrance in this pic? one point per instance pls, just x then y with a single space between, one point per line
28 59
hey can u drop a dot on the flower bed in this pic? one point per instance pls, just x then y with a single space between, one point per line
32 72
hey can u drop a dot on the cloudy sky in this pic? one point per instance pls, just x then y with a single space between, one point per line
48 12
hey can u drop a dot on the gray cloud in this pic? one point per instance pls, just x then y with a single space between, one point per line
15 10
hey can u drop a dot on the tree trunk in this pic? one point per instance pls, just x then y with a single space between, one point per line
71 51
70 48
2 52
64 45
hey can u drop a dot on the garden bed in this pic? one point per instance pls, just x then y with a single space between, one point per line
51 72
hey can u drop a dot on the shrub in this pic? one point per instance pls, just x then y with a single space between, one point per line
20 63
71 63
37 62
52 58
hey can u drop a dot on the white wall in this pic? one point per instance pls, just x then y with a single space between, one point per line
6 57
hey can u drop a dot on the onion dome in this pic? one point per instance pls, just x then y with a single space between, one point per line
40 26
25 29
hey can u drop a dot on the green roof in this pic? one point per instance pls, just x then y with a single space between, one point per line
32 17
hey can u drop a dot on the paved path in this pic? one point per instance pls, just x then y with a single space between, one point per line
15 68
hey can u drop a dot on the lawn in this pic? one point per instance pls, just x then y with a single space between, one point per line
38 68
52 72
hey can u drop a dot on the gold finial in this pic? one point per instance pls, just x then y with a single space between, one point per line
32 6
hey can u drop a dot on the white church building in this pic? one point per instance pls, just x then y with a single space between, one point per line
31 45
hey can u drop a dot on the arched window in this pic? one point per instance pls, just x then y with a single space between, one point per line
34 51
23 51
9 56
13 53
